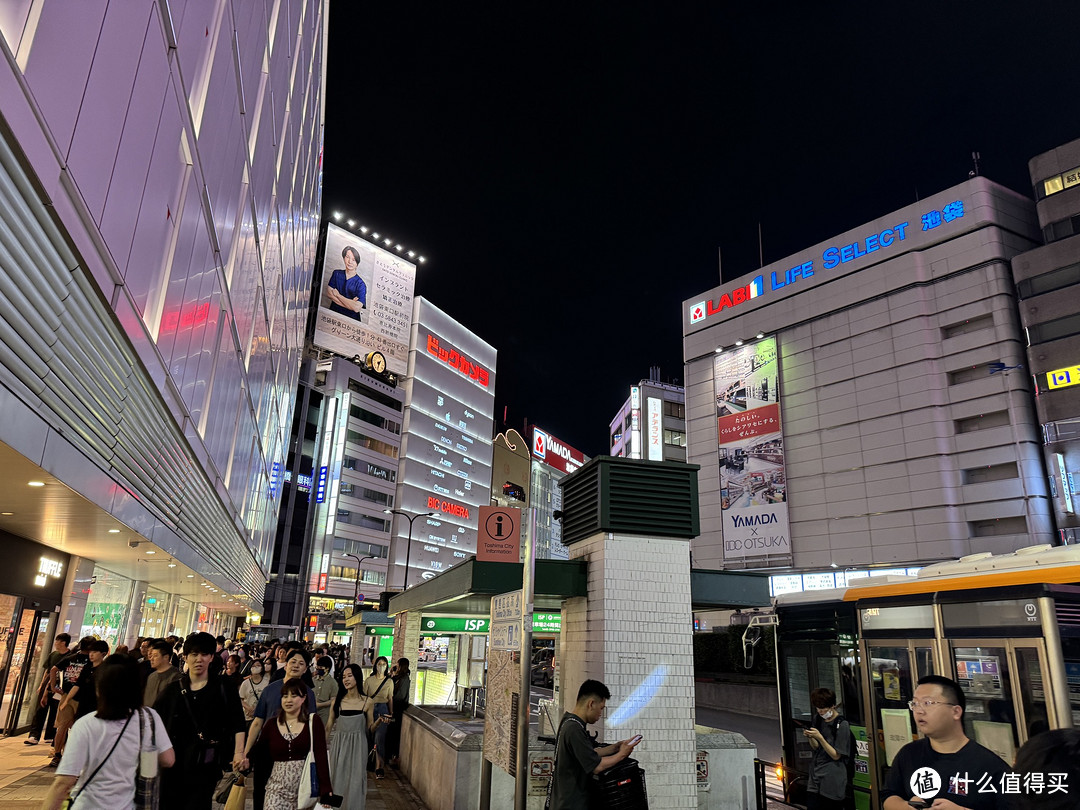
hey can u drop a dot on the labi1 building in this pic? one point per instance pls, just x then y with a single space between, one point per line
861 403
159 209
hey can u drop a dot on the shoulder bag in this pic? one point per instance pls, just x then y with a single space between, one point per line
307 794
71 799
147 782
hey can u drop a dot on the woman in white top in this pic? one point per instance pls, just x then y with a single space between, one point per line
251 688
102 752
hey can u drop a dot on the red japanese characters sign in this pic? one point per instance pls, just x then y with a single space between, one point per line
748 424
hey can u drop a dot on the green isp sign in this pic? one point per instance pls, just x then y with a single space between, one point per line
435 625
547 622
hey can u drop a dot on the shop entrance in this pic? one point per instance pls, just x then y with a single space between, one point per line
29 632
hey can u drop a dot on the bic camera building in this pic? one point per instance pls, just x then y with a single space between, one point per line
159 211
844 403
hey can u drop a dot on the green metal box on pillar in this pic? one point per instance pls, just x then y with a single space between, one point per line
630 496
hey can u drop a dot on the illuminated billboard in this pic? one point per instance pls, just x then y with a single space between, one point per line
753 481
446 443
365 300
554 453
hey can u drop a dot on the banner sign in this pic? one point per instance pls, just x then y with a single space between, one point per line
753 482
365 300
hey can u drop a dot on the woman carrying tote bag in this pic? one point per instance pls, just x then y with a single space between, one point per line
289 739
101 758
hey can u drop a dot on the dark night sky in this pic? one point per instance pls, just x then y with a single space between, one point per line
571 170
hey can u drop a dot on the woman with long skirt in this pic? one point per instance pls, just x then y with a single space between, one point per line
348 740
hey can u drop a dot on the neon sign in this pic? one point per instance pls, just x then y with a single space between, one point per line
831 257
458 361
48 568
448 507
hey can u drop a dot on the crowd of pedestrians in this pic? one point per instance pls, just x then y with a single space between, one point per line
201 708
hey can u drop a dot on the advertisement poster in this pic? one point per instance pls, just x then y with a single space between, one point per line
753 483
365 300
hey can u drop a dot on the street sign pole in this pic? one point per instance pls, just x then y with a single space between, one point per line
521 792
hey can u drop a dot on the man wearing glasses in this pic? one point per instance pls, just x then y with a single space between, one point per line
943 769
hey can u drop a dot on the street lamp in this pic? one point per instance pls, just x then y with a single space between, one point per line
408 548
356 589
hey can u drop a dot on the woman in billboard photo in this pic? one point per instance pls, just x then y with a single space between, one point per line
345 289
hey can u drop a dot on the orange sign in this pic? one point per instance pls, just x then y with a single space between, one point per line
498 537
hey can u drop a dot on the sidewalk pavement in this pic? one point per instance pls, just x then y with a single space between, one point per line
25 780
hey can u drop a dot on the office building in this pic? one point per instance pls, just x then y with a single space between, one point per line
853 405
651 423
159 167
552 460
1048 287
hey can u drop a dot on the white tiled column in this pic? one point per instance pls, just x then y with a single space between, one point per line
635 628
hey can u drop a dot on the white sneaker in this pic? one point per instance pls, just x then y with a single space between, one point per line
31 741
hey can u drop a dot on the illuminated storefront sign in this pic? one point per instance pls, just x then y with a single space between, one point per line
436 626
753 480
547 622
449 508
320 490
831 257
1063 377
453 358
554 453
365 301
48 568
656 429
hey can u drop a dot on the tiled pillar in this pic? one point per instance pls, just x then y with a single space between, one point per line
635 630
407 642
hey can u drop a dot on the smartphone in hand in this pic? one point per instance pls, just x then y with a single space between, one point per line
635 739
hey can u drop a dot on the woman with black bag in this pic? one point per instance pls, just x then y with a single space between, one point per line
379 688
103 759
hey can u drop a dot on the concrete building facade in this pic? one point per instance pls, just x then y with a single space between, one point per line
1048 287
846 404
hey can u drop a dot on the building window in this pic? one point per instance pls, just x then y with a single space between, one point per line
676 410
360 548
1054 330
1061 229
375 396
1049 282
389 425
362 521
368 443
365 494
1059 182
626 424
361 466
676 438
615 438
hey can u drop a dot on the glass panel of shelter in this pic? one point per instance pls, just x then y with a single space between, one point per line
984 669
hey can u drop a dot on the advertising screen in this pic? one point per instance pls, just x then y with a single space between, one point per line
365 299
753 482
446 466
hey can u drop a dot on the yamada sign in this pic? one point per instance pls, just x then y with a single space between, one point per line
551 451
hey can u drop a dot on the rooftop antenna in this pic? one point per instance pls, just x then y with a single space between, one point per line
720 263
975 157
760 249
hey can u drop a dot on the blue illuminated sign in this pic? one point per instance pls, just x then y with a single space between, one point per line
831 257
275 473
320 488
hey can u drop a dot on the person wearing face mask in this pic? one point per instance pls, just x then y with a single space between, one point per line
830 738
251 689
379 688
296 667
326 687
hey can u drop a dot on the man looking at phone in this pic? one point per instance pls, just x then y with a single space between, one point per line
830 738
944 769
576 756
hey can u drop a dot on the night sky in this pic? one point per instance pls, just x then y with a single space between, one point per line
573 171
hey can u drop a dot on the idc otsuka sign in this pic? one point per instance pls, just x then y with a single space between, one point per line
1063 377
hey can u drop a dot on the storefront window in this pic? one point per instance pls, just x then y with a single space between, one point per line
154 613
106 607
183 620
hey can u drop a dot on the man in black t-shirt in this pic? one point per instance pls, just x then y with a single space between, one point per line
576 758
63 681
944 767
44 717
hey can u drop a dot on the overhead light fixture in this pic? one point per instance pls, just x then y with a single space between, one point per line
35 483
388 241
151 551
411 253
7 514
718 349
337 216
191 576
760 335
374 236
352 223
364 229
114 531
172 564
397 248
422 260
738 343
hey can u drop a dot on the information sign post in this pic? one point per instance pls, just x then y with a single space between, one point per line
521 792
